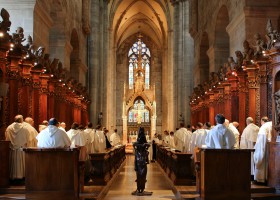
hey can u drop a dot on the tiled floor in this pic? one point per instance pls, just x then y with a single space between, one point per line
125 184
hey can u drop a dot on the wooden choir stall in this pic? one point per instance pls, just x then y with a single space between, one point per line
248 86
36 86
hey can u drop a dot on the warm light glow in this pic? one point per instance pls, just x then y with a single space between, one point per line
35 63
11 49
1 34
12 45
59 80
51 75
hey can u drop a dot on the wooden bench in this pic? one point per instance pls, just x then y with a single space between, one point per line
51 173
106 164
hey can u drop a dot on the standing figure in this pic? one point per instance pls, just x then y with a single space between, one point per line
141 160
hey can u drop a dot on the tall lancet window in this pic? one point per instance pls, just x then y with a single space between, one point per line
139 56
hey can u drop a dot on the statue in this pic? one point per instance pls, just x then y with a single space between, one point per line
277 107
18 37
29 48
248 51
231 64
6 23
141 160
222 73
260 44
272 35
239 60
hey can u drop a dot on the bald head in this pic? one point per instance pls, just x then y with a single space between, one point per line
235 124
29 120
19 118
249 120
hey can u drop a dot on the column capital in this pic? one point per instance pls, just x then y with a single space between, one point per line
174 2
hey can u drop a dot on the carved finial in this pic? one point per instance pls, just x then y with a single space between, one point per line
248 51
6 23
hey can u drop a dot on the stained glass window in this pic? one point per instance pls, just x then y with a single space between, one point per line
138 113
133 62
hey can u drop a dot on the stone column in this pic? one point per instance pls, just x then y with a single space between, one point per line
183 60
252 72
153 125
124 129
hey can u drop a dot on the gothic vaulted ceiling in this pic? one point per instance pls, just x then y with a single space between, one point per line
150 17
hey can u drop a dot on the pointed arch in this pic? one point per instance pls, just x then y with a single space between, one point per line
221 37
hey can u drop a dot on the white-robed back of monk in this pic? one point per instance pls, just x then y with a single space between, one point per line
115 139
18 135
220 137
248 140
99 142
182 139
260 154
89 135
32 141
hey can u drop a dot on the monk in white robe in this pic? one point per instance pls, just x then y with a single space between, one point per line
198 137
233 127
53 137
182 139
18 135
43 125
99 140
220 137
261 154
29 124
249 138
166 139
89 135
77 138
115 138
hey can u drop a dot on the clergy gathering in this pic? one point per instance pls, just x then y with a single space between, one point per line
140 99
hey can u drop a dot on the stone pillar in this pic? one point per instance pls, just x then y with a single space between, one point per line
183 60
43 99
252 72
242 91
153 125
124 129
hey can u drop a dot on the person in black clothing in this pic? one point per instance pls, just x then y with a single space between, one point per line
108 144
141 160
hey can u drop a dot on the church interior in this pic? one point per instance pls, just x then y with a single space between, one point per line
155 64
